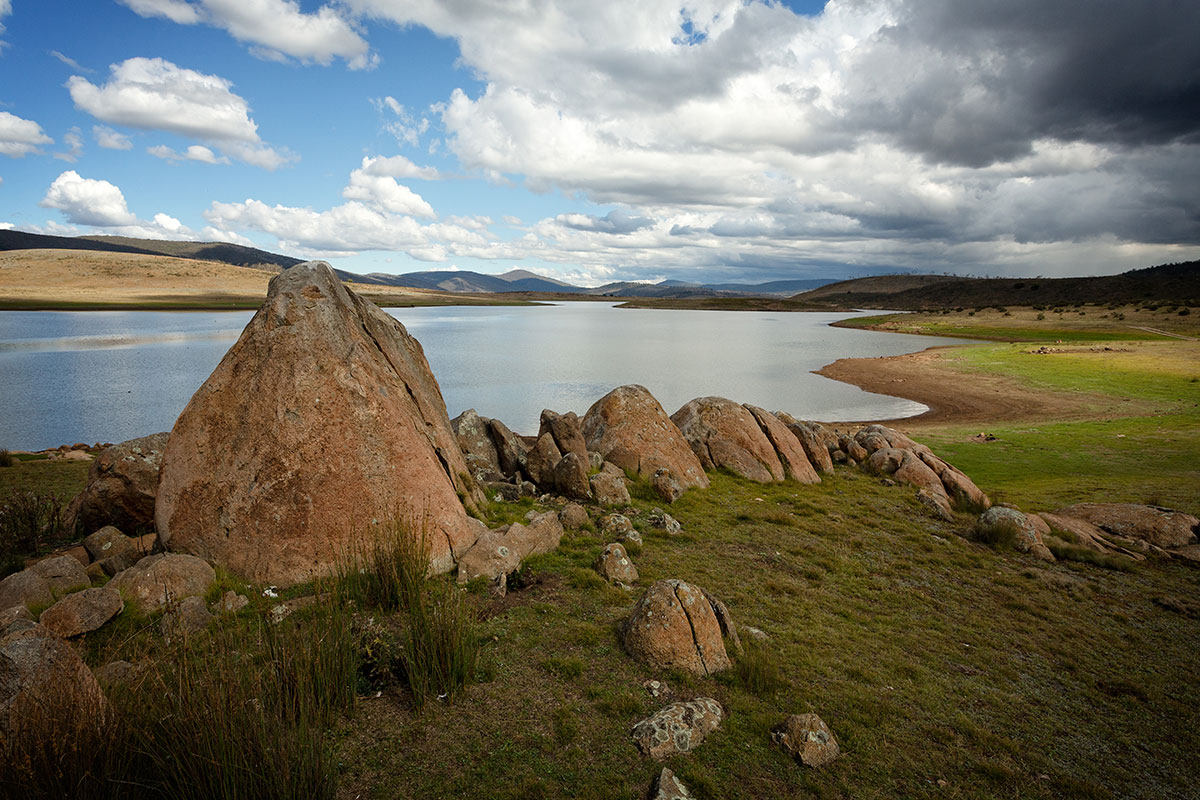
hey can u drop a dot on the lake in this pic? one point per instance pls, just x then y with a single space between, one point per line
107 376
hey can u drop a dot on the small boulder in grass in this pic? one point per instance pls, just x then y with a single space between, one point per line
184 620
665 485
678 728
609 489
614 525
157 580
661 521
574 516
615 566
806 738
667 786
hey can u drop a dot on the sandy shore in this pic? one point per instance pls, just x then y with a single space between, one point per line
953 396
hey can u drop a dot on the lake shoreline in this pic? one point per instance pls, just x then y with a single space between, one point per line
956 396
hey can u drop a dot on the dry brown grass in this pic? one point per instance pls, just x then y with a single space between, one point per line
82 279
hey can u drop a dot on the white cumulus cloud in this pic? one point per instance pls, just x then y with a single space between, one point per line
398 167
275 29
155 94
20 137
195 152
86 201
384 192
100 204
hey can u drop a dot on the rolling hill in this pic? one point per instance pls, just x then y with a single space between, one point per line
1167 283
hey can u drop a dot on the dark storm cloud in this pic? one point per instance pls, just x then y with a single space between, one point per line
975 82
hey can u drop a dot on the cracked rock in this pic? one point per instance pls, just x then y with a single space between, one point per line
674 626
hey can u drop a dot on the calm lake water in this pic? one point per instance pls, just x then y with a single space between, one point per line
109 376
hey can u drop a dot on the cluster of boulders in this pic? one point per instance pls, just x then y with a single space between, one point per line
43 681
1130 530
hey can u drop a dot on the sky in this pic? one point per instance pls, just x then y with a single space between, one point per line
619 140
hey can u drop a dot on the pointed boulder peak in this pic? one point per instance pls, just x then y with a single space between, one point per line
321 422
724 434
629 428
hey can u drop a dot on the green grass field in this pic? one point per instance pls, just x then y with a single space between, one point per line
1139 446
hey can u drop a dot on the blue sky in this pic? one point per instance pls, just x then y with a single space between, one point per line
626 140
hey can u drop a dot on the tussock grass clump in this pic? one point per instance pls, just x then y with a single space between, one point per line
439 648
6 458
389 572
759 672
29 521
1000 534
240 714
1065 551
246 717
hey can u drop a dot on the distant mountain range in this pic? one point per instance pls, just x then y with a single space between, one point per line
463 281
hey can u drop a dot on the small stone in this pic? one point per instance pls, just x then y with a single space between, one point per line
157 580
668 787
610 489
119 562
615 566
107 542
657 688
664 522
678 728
806 738
186 619
756 634
665 485
614 525
632 537
230 603
574 516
